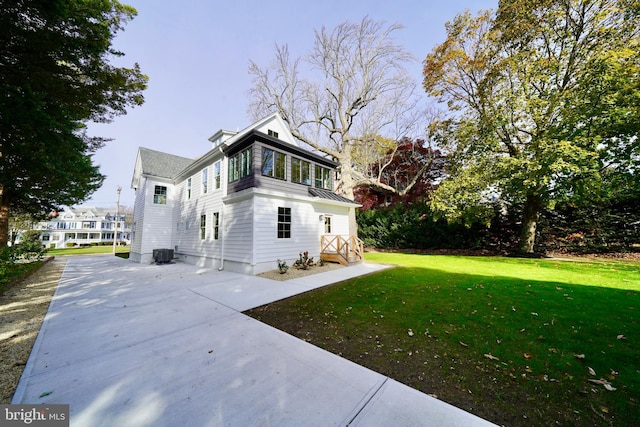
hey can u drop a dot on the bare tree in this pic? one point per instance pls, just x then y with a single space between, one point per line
354 102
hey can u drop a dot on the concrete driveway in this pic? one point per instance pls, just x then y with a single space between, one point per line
126 344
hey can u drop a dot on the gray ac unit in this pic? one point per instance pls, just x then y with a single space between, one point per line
162 255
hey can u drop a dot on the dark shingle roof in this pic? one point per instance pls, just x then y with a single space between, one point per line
161 164
329 195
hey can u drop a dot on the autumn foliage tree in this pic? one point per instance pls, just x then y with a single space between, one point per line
542 98
406 173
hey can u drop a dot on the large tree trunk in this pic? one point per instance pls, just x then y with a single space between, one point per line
530 217
4 218
347 186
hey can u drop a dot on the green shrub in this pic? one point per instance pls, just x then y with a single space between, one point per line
416 227
282 266
30 246
304 262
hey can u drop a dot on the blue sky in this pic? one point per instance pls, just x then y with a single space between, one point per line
197 53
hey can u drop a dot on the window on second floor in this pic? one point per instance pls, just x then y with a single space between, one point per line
205 180
240 165
300 171
323 178
188 188
160 195
274 164
216 175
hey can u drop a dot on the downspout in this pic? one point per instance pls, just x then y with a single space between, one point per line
221 223
221 232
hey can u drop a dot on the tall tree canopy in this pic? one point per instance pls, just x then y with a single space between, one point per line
55 76
351 102
543 96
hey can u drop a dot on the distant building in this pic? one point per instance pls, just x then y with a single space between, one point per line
84 225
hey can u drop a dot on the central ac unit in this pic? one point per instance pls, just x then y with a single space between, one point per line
162 255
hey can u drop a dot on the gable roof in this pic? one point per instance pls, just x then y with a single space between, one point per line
274 117
163 165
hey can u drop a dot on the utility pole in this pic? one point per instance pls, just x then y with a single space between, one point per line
115 232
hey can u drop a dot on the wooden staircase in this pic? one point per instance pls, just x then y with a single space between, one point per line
346 250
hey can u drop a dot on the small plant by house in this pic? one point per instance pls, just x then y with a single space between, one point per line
282 266
304 262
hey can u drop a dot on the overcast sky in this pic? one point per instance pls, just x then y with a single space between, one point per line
197 53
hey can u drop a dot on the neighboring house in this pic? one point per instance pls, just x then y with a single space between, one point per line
253 198
83 225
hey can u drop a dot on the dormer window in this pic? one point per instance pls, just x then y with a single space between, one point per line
272 133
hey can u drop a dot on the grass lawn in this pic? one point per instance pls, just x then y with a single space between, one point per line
88 250
515 341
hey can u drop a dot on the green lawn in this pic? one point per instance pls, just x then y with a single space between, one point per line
516 341
88 250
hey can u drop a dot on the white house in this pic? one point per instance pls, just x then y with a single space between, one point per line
253 198
83 225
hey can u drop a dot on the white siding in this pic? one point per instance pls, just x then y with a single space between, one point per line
191 247
276 124
138 222
339 218
238 231
306 228
156 230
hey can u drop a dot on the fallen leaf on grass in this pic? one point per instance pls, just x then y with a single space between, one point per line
621 337
463 344
491 357
579 356
526 356
606 384
591 371
410 332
